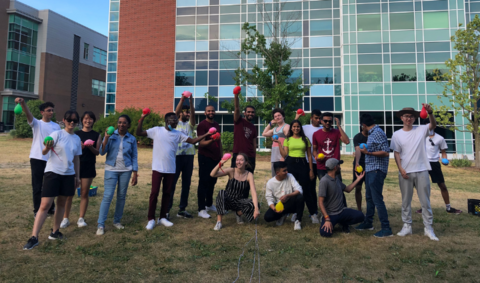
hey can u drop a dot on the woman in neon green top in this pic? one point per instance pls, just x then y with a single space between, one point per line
296 150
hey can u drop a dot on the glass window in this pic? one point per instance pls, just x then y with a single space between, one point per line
369 48
114 6
227 77
321 76
430 70
437 57
112 46
320 52
186 32
202 32
190 20
368 9
435 5
184 78
402 21
403 47
320 4
114 26
324 41
370 73
201 78
186 11
370 59
291 28
231 9
321 14
435 20
85 51
99 56
112 67
368 22
401 7
230 31
114 16
321 27
437 46
185 46
403 73
403 58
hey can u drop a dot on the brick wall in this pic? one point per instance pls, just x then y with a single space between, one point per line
146 50
4 4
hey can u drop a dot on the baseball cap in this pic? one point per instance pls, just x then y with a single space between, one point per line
332 162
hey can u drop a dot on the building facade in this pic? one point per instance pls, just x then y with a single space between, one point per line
357 56
49 57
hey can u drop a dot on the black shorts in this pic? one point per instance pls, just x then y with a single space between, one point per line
362 181
436 173
87 170
251 161
55 185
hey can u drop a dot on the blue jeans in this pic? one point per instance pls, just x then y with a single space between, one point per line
110 184
374 196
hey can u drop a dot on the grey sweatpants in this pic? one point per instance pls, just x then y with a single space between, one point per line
421 181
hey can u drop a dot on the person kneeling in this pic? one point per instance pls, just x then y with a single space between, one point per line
330 200
285 189
240 181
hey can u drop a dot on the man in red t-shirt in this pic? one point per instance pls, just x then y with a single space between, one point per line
244 135
327 142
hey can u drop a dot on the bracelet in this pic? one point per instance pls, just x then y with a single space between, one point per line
270 124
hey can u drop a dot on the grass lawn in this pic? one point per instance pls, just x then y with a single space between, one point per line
191 251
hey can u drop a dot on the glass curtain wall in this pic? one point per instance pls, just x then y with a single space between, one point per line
114 18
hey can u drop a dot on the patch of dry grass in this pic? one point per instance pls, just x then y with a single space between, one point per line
191 251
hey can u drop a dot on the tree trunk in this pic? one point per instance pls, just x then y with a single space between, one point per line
477 150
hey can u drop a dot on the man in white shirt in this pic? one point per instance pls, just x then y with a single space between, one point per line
41 129
410 153
436 144
284 188
165 144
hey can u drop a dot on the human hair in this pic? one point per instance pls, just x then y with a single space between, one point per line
327 114
46 105
90 114
69 113
245 157
279 165
278 110
210 106
249 106
185 107
317 112
168 115
367 119
302 134
126 118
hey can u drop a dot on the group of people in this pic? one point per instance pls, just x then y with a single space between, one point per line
300 155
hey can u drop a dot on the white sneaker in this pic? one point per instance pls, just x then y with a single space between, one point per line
118 226
315 219
165 222
298 225
150 225
239 219
65 223
100 231
429 233
218 226
81 222
294 217
281 220
406 230
211 208
204 214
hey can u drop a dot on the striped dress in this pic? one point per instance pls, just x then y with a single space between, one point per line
232 199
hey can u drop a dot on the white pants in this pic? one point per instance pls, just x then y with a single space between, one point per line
421 181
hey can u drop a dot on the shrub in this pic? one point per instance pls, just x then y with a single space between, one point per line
152 120
461 163
227 142
22 129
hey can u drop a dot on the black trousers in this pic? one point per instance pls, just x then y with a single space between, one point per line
38 170
184 166
347 217
206 184
292 205
299 168
310 195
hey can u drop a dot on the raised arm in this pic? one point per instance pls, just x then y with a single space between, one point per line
104 148
226 172
236 113
178 110
343 135
193 121
197 139
25 109
268 132
140 132
350 187
431 117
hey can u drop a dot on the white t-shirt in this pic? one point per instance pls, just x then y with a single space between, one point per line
276 189
41 130
433 151
119 162
309 130
165 145
66 147
412 148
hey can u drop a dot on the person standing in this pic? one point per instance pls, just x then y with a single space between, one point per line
376 168
62 176
281 130
41 129
185 156
409 146
209 155
87 167
165 143
121 164
436 144
359 160
330 200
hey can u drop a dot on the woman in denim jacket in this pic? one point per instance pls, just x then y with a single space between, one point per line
121 150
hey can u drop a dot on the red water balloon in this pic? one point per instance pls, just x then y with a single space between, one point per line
187 94
237 90
301 112
146 111
423 113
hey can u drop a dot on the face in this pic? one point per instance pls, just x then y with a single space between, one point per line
48 112
282 173
172 121
249 114
364 129
210 112
240 161
408 119
185 116
315 120
278 117
87 121
123 125
71 122
327 122
296 128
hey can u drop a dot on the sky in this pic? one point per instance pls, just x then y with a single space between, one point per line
90 13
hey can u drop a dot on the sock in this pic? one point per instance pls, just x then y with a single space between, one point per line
448 206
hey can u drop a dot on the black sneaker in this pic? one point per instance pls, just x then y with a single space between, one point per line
453 210
56 236
346 229
32 242
184 214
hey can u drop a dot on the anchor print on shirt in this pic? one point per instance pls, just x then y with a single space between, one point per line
247 131
328 150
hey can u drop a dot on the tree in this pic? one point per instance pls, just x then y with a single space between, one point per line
461 84
274 78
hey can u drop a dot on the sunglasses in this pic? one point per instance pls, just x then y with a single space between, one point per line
430 140
71 120
327 121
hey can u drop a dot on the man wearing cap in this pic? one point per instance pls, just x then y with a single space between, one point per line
330 200
409 146
376 168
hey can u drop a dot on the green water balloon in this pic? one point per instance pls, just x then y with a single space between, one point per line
18 109
110 130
